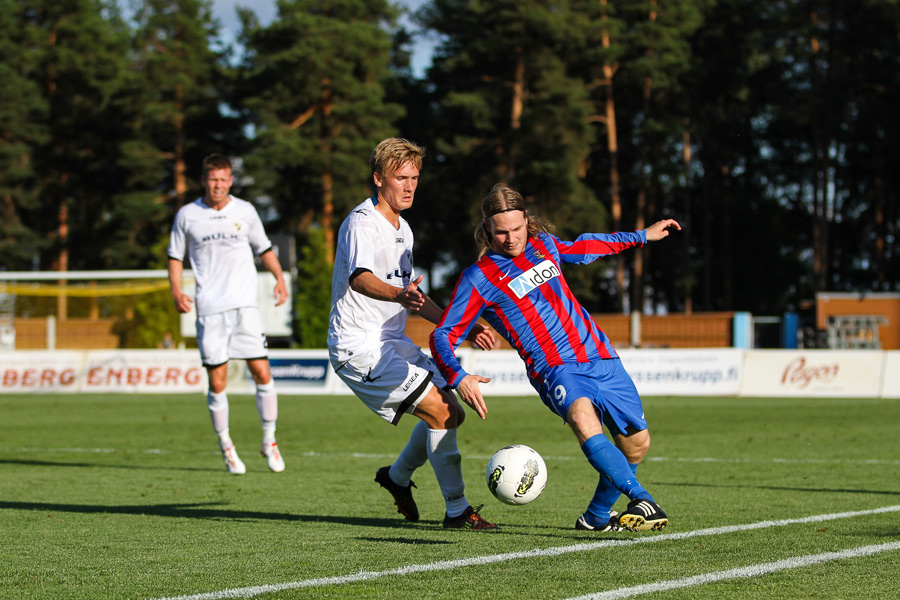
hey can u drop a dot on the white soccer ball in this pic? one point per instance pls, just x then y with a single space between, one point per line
516 474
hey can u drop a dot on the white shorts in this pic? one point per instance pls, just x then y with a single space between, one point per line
234 334
391 379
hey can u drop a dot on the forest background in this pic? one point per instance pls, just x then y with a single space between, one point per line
768 129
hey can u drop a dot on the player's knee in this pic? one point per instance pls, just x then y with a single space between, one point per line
216 401
635 446
583 419
457 414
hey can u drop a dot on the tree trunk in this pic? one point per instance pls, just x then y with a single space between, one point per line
817 175
686 224
517 107
327 175
639 283
180 166
612 144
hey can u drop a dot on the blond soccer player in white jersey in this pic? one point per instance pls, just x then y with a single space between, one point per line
372 289
221 234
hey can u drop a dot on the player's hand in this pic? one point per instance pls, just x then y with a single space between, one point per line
470 393
183 303
660 229
281 294
482 337
411 298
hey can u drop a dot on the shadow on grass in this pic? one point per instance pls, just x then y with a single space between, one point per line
409 541
780 488
207 511
195 511
100 465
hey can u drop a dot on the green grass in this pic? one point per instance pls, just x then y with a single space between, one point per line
125 496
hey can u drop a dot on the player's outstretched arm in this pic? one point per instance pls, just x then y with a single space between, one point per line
660 229
470 392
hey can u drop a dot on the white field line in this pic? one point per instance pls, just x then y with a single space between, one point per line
252 591
804 461
743 572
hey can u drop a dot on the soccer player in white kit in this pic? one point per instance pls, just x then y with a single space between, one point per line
371 290
221 234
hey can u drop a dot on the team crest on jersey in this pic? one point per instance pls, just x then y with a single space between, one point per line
238 225
533 278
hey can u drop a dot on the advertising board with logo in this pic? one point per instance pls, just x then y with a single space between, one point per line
814 373
41 371
685 372
146 371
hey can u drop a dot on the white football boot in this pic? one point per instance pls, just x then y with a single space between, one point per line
233 462
273 457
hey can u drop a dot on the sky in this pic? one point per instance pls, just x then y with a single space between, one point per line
226 12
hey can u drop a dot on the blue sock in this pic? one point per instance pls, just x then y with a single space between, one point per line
606 494
611 463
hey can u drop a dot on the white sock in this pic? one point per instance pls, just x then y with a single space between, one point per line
268 428
225 440
413 455
267 401
447 464
267 407
218 412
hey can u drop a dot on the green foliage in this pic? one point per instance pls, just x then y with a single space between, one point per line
155 323
313 85
125 496
769 130
313 297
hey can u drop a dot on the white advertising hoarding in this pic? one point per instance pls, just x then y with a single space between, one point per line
145 371
41 371
506 370
813 373
710 372
890 387
685 372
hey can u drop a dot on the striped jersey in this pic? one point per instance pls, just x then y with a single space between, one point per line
526 300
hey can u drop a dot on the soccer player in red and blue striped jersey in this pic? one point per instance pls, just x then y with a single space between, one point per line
517 285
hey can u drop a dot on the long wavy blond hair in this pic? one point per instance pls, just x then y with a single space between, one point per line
501 199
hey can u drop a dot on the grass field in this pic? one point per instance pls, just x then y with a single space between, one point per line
125 496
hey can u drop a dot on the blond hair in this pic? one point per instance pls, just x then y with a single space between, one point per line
392 153
503 199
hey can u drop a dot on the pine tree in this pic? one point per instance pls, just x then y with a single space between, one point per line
71 65
23 128
507 110
313 84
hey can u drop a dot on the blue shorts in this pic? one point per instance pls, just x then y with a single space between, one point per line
608 386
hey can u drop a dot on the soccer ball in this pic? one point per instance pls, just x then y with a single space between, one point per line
516 474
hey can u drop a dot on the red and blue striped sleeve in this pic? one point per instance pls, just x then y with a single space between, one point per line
465 306
589 247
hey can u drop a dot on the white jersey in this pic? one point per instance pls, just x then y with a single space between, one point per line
368 241
221 245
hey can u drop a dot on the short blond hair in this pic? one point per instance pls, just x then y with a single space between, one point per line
393 153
